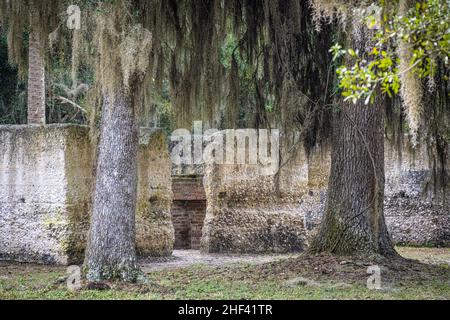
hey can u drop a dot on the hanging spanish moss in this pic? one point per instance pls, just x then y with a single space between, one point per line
411 88
22 17
438 134
407 115
287 59
286 62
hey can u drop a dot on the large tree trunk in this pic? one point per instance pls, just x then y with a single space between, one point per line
354 218
111 250
36 74
354 221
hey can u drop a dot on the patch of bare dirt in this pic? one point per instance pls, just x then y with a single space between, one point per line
426 255
8 269
433 266
187 258
326 267
319 269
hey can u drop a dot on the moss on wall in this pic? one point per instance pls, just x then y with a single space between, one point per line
248 213
46 183
154 228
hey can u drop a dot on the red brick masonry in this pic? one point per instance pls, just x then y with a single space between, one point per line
188 211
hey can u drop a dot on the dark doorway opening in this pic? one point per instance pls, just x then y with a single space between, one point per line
188 211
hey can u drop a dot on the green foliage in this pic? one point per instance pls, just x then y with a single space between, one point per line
162 108
13 107
426 32
228 52
367 73
231 57
60 85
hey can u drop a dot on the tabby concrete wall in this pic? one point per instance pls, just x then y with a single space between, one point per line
416 213
416 210
154 228
46 183
45 192
252 213
248 212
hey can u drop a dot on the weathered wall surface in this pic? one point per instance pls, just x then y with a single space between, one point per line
248 213
415 214
251 213
46 188
154 228
45 183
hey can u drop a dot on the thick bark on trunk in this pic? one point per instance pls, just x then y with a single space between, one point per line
36 75
111 250
354 221
354 218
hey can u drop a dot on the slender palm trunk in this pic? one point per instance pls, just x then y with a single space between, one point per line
111 251
36 74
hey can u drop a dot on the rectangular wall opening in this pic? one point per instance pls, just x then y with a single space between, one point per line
188 211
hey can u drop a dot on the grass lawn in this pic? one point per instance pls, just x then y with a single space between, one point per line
300 277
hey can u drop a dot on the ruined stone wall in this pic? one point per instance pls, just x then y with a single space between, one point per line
46 187
154 228
247 212
45 183
250 213
416 213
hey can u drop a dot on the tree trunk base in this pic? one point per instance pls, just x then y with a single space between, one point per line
126 273
354 236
